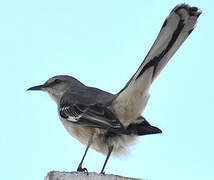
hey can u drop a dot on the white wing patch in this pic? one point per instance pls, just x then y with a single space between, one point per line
74 118
64 108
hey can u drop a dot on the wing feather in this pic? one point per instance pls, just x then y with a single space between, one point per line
94 115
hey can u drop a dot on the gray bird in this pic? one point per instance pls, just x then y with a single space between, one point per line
110 123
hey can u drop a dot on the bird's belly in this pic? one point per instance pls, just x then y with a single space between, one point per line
120 143
80 133
100 141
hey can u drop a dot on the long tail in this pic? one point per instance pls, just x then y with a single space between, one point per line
132 99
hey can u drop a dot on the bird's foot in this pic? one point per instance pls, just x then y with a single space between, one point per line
102 172
80 169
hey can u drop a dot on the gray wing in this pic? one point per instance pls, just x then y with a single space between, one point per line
87 107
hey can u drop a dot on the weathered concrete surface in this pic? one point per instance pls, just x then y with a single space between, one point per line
56 175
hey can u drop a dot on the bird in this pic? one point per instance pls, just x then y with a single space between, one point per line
110 123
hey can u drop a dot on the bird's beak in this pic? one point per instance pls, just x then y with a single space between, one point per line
40 87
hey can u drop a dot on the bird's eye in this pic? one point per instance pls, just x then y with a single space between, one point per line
57 81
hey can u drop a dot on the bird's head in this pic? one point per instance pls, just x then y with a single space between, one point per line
57 86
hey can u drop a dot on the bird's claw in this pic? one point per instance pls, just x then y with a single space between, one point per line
102 172
80 169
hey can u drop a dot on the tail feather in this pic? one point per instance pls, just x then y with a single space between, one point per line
132 99
176 28
142 128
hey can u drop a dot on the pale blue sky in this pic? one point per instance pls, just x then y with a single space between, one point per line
102 43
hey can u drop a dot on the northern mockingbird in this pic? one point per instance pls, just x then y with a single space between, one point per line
110 123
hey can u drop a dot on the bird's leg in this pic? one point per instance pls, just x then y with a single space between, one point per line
80 169
110 149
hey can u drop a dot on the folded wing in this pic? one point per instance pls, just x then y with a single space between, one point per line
82 108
